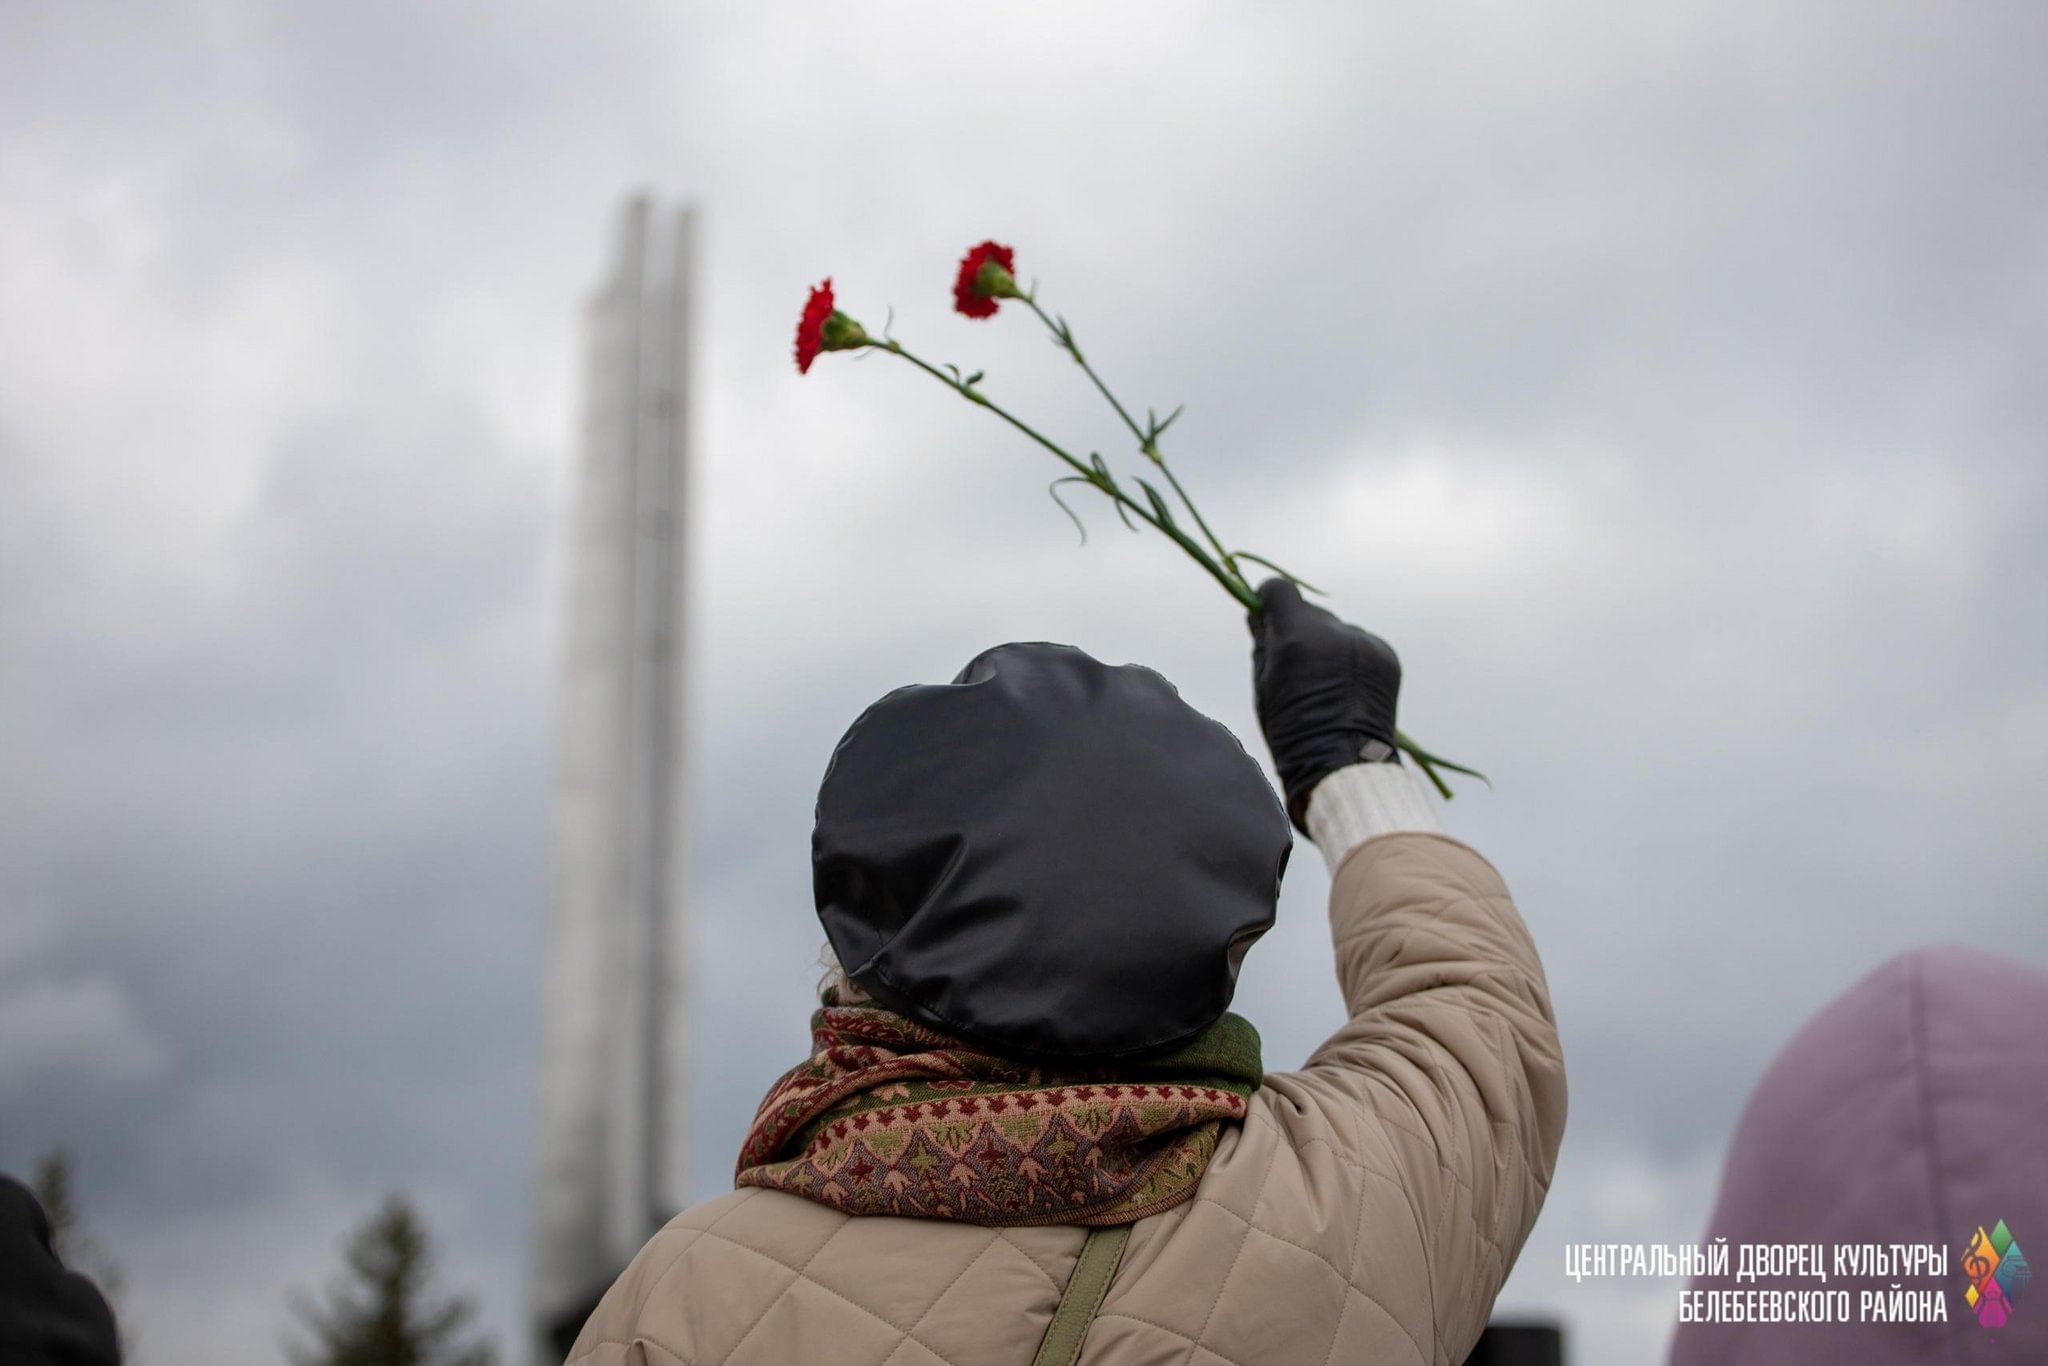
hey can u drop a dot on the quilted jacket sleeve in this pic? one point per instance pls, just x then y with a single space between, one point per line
1448 1075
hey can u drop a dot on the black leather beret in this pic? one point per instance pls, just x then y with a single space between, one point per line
1049 856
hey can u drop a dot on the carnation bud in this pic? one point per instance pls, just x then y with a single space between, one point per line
996 282
841 333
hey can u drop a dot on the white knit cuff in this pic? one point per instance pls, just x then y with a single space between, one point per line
1352 804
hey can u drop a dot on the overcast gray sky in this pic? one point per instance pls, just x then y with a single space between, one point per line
1664 381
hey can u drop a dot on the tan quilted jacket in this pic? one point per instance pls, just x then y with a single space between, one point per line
1367 1210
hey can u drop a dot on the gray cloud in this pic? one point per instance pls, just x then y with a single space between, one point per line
1662 383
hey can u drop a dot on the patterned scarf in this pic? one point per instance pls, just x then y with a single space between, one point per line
888 1117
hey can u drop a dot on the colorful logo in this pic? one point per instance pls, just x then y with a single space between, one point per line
1998 1272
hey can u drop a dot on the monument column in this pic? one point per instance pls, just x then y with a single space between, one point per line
614 1021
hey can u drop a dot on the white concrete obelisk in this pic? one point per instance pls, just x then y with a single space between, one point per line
612 1113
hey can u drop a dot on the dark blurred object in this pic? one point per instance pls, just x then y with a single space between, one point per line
1518 1344
563 1329
48 1316
55 1189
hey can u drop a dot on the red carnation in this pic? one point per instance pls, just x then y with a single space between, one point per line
810 331
825 328
986 275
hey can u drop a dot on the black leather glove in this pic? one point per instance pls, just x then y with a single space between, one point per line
1325 691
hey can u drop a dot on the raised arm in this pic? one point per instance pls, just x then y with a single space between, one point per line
1446 1078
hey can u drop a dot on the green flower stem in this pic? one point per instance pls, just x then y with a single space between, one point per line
1147 442
1225 573
1228 559
1233 584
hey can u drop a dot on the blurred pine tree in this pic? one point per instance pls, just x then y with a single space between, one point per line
55 1190
385 1311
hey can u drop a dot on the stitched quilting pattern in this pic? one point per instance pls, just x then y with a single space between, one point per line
1363 1211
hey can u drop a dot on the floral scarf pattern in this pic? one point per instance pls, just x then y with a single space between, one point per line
889 1117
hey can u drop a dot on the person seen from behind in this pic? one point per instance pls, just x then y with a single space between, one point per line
1030 1130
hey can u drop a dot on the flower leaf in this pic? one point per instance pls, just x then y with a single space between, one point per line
1107 484
1053 490
1430 763
1290 577
1160 509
